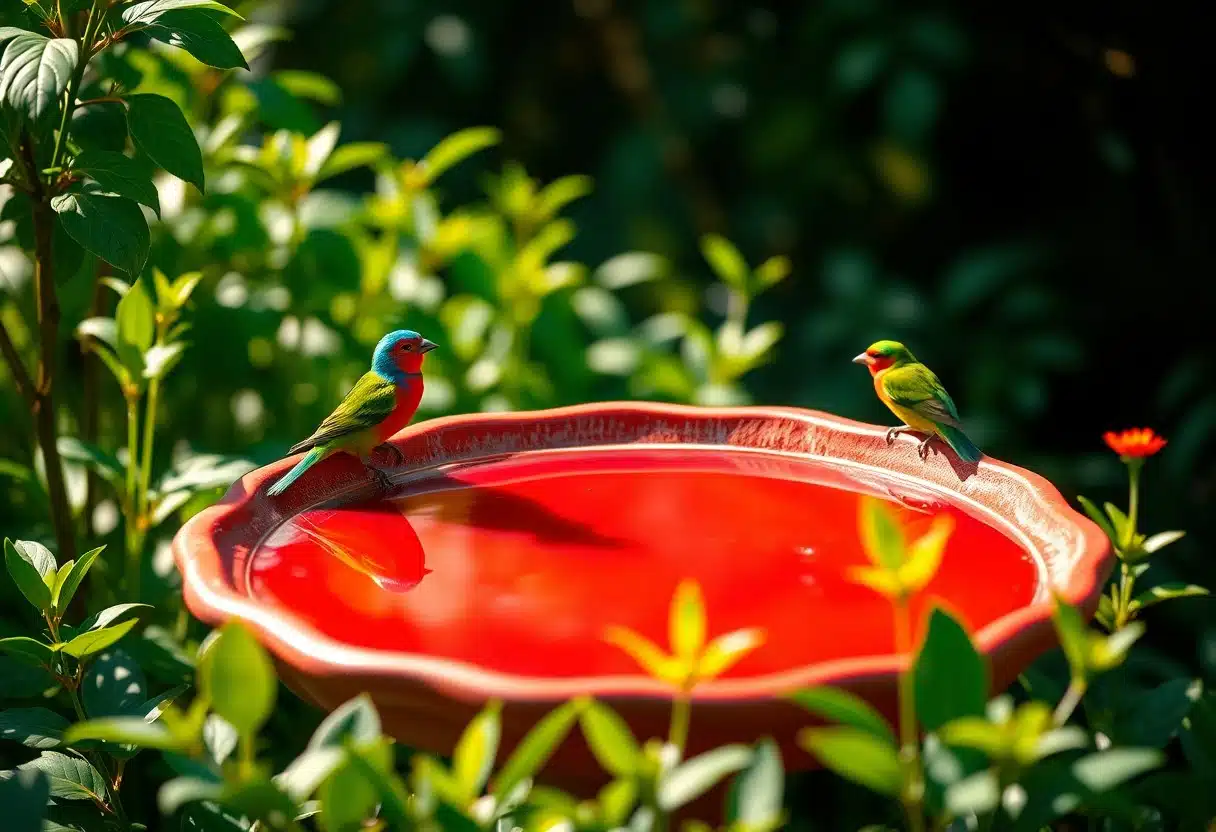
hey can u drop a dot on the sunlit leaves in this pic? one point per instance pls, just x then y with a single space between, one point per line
201 35
27 650
535 749
451 151
728 264
161 131
691 661
111 227
237 677
756 795
71 778
149 11
609 738
119 174
836 705
94 641
32 568
69 578
899 569
34 70
856 754
474 756
1088 652
692 778
32 727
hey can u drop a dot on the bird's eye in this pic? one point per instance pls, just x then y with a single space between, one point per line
407 347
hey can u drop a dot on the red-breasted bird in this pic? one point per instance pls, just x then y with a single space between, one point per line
381 403
915 395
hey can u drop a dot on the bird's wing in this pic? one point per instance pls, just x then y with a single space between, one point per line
368 403
917 388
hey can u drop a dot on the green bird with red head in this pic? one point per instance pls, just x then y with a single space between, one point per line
382 402
915 394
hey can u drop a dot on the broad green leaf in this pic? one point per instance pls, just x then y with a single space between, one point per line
29 564
149 11
723 652
610 739
881 536
113 228
1073 637
24 797
69 579
136 320
317 149
1161 540
1098 517
110 615
305 773
197 32
473 759
120 174
66 254
94 641
124 730
456 148
687 621
978 733
35 71
306 85
72 778
350 156
161 359
842 707
355 720
692 778
32 727
347 799
535 749
616 800
180 791
238 678
756 795
28 650
1165 592
560 193
113 684
856 755
1110 769
728 264
1106 653
160 130
951 676
1119 522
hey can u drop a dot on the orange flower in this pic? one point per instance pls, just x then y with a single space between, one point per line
1134 443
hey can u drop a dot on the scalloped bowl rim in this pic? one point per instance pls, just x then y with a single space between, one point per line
210 596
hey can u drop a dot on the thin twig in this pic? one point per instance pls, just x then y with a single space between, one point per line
16 368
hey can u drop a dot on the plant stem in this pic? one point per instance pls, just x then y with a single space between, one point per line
1070 700
913 791
16 368
681 715
91 422
61 139
1133 498
145 473
131 504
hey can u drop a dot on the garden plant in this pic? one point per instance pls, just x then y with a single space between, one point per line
170 215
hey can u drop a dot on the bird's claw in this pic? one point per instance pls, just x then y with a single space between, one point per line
382 481
922 449
893 432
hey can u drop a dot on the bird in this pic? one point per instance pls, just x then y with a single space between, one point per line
382 402
913 393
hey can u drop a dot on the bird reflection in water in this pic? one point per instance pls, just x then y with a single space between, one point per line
394 560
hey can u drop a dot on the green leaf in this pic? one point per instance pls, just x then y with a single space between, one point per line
136 320
560 193
772 271
24 797
347 799
629 269
94 641
1098 517
113 228
978 794
856 755
197 32
535 749
756 795
840 706
29 563
161 359
66 254
119 174
110 615
1161 540
182 790
160 130
112 685
456 148
22 679
692 778
35 71
728 264
32 727
305 773
351 156
220 738
473 758
124 730
150 11
1152 718
610 739
28 650
1119 522
1110 769
237 677
355 720
951 676
1165 592
687 621
881 536
72 778
1073 638
66 586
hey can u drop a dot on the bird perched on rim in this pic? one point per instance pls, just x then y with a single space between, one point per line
381 403
913 393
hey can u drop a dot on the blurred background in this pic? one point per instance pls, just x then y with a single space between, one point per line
1021 194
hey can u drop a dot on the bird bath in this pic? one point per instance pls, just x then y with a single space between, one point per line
510 542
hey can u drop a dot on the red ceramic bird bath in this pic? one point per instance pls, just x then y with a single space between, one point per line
512 541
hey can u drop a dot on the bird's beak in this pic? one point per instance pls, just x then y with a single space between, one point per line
862 359
426 346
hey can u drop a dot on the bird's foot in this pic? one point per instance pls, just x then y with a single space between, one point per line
382 481
392 452
922 449
894 432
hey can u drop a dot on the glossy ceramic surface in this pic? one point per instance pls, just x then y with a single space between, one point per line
511 541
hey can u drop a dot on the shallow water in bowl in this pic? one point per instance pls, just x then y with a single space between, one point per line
519 563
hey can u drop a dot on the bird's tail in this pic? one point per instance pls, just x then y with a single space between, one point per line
310 459
964 447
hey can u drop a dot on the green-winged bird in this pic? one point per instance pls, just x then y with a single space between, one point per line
915 395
